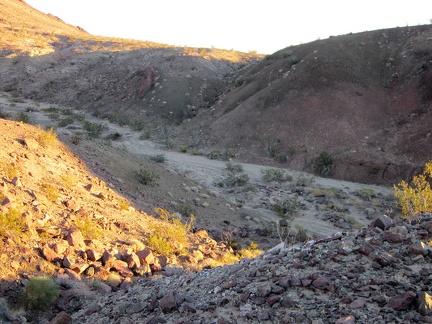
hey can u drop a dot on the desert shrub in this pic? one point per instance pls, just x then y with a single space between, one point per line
169 235
186 209
169 144
236 180
269 175
114 136
76 138
183 149
63 122
214 155
301 235
93 129
46 138
147 176
40 292
234 167
50 190
271 146
145 134
415 197
123 205
323 164
4 114
286 207
11 223
22 117
89 228
366 193
10 170
158 158
251 251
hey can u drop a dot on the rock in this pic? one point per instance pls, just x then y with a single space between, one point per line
93 309
392 237
72 274
75 238
320 283
16 182
61 318
147 79
357 303
346 320
133 261
424 303
93 255
168 302
135 307
49 254
403 301
31 144
146 256
122 268
419 248
383 222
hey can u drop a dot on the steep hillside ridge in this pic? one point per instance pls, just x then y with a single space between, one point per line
129 81
364 98
59 220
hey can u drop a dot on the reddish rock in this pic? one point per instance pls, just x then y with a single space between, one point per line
229 284
133 261
346 320
392 237
31 144
357 303
403 301
147 79
122 268
126 283
366 249
61 318
16 182
419 248
93 255
60 248
320 283
383 222
48 253
72 274
70 204
146 256
424 303
93 309
306 282
168 302
273 300
88 187
75 238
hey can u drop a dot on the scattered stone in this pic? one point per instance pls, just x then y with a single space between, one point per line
403 301
75 238
61 318
168 303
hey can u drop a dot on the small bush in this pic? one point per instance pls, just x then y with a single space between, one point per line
158 158
214 155
9 170
46 138
186 209
301 235
22 117
114 136
147 177
236 180
40 292
93 129
123 205
323 164
170 235
183 149
11 223
89 228
234 167
76 139
287 207
51 191
416 197
269 175
63 122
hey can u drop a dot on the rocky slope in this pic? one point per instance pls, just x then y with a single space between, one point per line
379 274
364 98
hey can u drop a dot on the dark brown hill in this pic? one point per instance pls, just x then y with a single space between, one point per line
364 98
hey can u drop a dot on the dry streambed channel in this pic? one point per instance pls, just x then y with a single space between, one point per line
322 206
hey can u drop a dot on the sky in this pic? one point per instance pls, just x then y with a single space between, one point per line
262 26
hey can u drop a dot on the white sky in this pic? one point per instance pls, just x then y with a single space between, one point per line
244 25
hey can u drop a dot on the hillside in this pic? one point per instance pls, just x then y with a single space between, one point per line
363 98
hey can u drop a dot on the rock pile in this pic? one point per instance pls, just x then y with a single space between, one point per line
379 274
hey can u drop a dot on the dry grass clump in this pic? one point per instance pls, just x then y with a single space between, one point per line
11 223
46 138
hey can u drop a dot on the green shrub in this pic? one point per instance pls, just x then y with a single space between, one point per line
63 122
234 167
158 158
11 223
51 191
89 229
93 129
183 149
170 235
22 117
269 175
286 207
214 155
46 138
236 180
147 176
40 292
323 164
416 197
114 136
